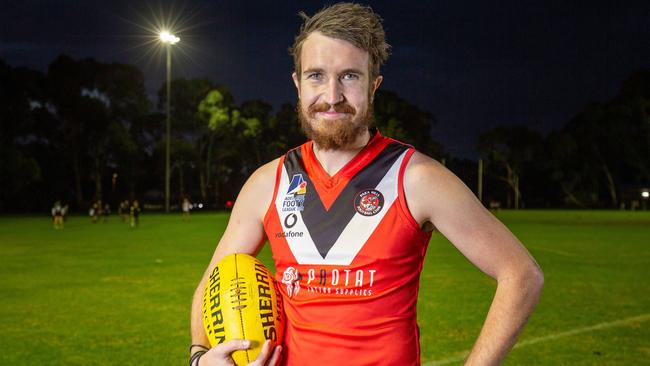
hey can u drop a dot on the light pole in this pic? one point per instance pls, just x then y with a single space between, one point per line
168 39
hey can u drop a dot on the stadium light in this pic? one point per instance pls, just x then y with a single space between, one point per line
645 194
168 39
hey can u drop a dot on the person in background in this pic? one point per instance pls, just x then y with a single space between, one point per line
123 210
106 212
135 213
58 212
186 206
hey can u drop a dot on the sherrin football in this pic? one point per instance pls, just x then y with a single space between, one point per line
241 301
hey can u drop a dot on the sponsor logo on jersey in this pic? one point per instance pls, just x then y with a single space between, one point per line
295 197
336 281
289 234
290 221
291 278
369 202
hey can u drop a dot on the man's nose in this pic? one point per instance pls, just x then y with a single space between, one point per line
334 92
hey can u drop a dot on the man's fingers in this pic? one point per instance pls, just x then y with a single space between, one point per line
264 354
268 349
277 353
269 355
231 346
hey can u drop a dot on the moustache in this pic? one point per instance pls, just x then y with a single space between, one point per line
342 107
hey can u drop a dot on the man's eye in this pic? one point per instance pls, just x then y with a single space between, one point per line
314 76
350 77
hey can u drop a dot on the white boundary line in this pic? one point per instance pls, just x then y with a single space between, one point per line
616 323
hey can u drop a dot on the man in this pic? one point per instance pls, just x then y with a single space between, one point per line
58 212
106 212
135 213
186 206
349 215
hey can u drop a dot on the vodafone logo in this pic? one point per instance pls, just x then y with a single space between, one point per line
369 202
290 221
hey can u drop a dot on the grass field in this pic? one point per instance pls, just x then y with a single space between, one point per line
108 294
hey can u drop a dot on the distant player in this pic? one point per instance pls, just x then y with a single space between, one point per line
349 215
58 213
120 210
135 213
123 211
92 212
66 208
106 212
186 206
96 211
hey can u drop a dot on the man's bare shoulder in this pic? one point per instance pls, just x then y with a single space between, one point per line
424 170
430 187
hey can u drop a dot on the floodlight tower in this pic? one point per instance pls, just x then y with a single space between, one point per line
168 40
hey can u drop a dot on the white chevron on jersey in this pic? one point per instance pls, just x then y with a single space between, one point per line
356 232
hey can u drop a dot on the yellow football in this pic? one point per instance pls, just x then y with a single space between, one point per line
241 301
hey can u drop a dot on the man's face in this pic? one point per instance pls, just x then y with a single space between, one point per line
334 90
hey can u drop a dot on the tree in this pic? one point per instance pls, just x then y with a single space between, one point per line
186 130
257 115
283 131
233 139
20 135
214 112
509 150
605 147
397 118
97 104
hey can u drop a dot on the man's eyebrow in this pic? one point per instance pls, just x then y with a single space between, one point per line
346 71
313 70
352 71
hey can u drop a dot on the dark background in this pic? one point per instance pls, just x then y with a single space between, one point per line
553 96
474 64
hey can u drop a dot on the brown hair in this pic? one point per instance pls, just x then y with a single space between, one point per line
350 22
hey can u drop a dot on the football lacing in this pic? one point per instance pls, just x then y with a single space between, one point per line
238 293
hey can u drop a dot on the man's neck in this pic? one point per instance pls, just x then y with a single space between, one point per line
333 160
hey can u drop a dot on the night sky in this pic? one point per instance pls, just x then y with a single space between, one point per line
473 64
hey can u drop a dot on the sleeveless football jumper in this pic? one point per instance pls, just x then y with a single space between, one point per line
348 257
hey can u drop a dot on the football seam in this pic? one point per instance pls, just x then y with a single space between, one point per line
239 311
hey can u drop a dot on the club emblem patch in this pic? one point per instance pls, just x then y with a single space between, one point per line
369 202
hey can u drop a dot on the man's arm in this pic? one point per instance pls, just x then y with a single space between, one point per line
244 234
437 197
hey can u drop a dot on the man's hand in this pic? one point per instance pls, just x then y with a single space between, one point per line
219 355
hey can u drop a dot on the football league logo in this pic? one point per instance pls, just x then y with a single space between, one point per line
369 202
297 185
295 197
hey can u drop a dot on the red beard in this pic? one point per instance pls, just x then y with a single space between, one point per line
337 133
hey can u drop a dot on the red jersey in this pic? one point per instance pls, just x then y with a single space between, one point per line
348 256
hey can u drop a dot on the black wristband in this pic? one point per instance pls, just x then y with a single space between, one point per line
200 346
196 356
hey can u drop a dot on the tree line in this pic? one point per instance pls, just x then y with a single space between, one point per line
85 130
599 159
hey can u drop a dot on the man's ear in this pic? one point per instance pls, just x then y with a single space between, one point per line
296 81
375 86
